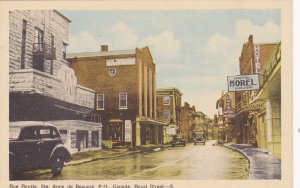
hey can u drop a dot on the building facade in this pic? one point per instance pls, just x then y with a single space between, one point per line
253 60
42 87
188 121
268 119
226 112
168 102
125 86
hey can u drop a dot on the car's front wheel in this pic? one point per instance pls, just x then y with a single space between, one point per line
57 165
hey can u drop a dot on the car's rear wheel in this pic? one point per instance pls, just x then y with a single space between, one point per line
57 165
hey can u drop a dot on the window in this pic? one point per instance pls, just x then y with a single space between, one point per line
112 71
39 38
100 101
166 100
123 100
24 28
64 51
167 114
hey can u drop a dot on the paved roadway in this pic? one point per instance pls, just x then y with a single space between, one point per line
182 163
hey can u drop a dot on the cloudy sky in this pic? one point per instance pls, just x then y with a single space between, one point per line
194 50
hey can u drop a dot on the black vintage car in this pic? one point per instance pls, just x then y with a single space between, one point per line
199 138
178 141
35 145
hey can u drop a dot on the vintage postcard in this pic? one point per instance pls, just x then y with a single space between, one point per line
141 94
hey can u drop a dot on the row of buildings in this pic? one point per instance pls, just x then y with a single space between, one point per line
96 99
254 116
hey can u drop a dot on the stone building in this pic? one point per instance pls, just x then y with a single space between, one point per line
42 87
125 85
168 102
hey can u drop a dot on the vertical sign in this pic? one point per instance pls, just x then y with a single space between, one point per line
257 60
128 130
228 110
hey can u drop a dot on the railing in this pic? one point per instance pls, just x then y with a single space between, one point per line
272 63
44 50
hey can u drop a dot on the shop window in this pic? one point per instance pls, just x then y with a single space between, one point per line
123 100
95 138
166 100
100 101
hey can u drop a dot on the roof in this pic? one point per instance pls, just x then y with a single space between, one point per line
59 13
102 54
162 89
29 123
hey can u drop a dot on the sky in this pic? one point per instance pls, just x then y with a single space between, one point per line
194 50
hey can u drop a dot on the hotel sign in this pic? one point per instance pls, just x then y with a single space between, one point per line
120 62
228 110
257 59
243 82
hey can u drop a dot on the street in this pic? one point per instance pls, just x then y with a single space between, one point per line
191 162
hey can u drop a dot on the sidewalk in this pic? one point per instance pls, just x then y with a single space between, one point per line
89 156
262 164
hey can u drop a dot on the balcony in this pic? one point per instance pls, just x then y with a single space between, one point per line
31 81
42 52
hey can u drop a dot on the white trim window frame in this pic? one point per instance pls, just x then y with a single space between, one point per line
123 100
100 101
167 100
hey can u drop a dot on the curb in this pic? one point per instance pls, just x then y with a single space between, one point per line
244 154
84 161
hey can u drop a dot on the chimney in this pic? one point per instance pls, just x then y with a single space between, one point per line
250 39
104 48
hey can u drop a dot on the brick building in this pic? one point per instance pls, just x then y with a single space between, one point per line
253 60
168 102
226 112
125 85
268 118
188 121
42 87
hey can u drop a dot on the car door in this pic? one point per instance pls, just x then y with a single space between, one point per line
49 138
26 148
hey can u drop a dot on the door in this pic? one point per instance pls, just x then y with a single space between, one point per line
48 139
26 148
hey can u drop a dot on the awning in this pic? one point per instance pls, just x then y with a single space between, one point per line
115 121
150 121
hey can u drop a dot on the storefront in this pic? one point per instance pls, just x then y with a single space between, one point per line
80 135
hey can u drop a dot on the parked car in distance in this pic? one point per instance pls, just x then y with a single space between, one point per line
178 140
199 138
36 145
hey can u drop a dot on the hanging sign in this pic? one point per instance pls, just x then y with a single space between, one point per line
243 82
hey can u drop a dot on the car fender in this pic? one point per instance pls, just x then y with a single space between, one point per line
60 149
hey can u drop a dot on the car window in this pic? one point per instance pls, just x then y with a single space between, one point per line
29 133
48 133
14 133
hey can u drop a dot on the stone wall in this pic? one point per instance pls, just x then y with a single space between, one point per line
34 81
49 21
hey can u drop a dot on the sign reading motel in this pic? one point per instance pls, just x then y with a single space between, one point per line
243 82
